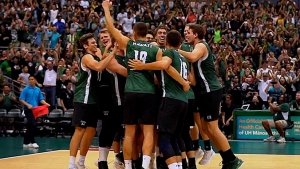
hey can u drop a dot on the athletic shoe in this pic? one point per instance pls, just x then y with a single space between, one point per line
81 166
208 155
192 167
102 165
27 145
199 153
281 140
270 139
118 165
235 164
34 145
152 164
120 157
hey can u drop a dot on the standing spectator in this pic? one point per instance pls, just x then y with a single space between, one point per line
50 82
31 97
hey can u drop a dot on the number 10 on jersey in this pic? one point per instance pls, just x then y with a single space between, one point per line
140 55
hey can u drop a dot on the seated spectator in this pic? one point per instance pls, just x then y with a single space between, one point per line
7 98
256 103
295 104
281 118
227 115
66 96
275 89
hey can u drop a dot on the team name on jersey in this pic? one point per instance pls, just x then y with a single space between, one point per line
142 44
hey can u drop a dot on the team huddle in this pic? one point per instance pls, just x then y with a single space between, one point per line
163 92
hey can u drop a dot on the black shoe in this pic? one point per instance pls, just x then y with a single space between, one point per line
102 165
120 157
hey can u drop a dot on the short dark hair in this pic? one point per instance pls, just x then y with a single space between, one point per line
197 29
140 29
84 39
67 82
173 38
160 27
31 76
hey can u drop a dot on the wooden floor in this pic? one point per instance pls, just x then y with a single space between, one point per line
59 160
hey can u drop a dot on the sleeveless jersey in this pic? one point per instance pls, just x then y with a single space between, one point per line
117 83
140 81
188 48
171 88
87 85
157 73
205 73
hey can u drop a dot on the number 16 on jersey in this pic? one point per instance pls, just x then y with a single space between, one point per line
184 70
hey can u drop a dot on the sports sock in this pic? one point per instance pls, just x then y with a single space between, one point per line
192 162
196 144
179 165
103 153
146 161
81 160
207 146
72 162
228 156
173 166
184 163
128 164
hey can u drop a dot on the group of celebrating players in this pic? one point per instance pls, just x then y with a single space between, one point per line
146 87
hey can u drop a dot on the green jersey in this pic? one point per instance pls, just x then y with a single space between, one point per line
140 81
284 114
205 73
188 48
117 83
171 88
87 84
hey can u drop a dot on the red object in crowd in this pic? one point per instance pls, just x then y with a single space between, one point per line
40 111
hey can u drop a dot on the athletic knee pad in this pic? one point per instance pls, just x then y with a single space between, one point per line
180 144
164 142
174 143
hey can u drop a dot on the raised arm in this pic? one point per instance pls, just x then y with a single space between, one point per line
199 52
90 62
121 39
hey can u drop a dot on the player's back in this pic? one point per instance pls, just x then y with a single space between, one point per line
171 88
140 81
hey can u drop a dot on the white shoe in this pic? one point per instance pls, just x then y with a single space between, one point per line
81 166
152 164
208 155
281 140
119 165
34 145
270 139
199 153
27 145
96 162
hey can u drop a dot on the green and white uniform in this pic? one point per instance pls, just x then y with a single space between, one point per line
171 88
140 81
87 85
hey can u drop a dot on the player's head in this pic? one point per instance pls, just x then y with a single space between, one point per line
149 36
88 42
173 39
195 32
160 35
187 27
140 30
104 37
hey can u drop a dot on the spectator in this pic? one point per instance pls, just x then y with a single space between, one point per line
23 77
66 96
227 115
275 89
8 99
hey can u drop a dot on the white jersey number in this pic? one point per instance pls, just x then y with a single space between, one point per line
183 70
140 55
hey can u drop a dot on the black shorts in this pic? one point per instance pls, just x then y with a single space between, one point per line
189 118
139 108
209 105
85 115
171 116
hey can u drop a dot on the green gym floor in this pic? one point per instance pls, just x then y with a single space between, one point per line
12 152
